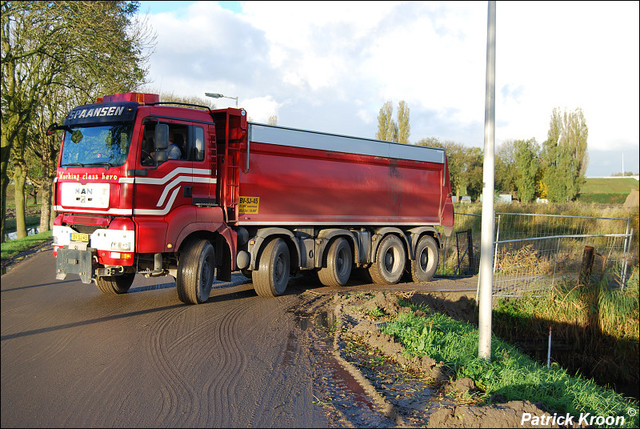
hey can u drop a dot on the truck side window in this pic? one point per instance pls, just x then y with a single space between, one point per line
147 149
177 142
197 153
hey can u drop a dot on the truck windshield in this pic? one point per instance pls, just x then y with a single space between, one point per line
104 145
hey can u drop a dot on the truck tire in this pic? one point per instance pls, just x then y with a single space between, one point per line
339 263
390 261
424 266
272 276
115 285
195 272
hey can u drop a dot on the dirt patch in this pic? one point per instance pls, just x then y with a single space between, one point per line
632 200
399 391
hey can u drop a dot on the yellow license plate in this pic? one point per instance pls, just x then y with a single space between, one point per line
79 237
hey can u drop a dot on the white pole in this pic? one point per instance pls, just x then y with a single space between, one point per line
485 282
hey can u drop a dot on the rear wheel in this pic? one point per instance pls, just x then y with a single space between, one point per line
115 284
339 263
390 260
272 276
195 272
426 262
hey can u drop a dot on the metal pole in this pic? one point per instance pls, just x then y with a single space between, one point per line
488 220
549 349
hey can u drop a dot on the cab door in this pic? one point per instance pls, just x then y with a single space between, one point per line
163 188
202 149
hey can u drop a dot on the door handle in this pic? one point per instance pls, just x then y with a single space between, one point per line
188 191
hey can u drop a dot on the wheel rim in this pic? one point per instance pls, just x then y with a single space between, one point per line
206 278
280 273
341 262
279 269
424 259
388 260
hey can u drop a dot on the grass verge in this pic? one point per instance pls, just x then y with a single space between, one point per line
510 373
14 247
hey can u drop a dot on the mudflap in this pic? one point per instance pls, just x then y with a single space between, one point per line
73 261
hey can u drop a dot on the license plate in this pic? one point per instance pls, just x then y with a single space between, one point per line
79 237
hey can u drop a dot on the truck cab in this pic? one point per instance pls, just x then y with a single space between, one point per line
125 203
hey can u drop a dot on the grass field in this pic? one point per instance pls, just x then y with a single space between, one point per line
607 190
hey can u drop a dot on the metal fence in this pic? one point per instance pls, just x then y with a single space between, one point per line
533 252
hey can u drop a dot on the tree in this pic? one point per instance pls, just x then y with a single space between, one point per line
456 160
404 129
60 49
471 180
505 168
564 155
527 166
390 130
386 125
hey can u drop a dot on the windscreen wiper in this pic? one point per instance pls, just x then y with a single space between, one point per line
107 165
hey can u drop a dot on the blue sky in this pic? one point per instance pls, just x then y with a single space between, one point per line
330 66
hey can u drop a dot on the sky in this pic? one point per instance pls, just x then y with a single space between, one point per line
330 66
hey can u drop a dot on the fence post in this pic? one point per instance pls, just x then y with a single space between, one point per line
472 261
587 265
495 252
627 249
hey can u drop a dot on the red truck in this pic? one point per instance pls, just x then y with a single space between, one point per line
269 201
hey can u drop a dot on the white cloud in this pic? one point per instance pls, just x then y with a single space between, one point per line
330 66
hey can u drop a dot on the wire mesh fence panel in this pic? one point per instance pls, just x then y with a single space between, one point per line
533 252
461 253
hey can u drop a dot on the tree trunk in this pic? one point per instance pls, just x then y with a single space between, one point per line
19 177
45 206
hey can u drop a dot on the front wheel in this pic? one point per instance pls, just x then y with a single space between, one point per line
426 262
272 276
115 284
195 272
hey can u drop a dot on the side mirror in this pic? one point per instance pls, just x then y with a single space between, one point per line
160 156
161 137
53 128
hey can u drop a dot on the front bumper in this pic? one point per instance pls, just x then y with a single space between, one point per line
75 261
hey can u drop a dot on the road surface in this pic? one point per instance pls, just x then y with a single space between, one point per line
72 356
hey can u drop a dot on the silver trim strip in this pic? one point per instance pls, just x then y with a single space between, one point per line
118 212
381 223
270 134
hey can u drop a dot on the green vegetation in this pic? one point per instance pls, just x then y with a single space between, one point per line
618 185
50 65
13 247
510 373
612 312
607 191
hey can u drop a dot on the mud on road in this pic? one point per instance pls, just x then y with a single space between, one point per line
369 382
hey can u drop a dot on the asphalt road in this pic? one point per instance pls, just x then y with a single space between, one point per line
73 357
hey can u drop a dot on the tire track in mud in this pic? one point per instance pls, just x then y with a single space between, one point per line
221 392
197 354
281 373
175 388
